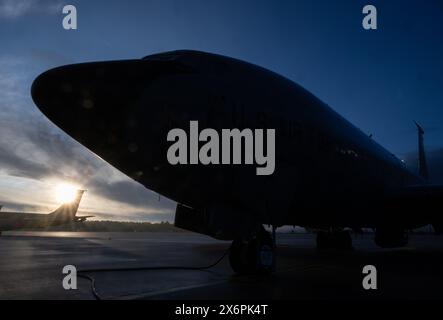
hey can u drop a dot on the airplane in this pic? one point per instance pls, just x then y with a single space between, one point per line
329 175
66 213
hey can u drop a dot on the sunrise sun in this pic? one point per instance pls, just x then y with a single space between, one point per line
65 192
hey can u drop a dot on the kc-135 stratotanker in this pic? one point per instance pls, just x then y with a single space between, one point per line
65 214
329 176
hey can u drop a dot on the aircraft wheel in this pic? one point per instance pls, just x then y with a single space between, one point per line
323 241
256 256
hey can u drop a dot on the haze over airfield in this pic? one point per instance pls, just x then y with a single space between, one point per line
379 80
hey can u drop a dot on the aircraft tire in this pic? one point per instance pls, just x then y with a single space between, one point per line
323 241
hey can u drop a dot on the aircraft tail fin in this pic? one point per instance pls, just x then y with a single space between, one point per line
67 211
422 164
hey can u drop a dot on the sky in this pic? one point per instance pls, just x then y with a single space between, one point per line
380 80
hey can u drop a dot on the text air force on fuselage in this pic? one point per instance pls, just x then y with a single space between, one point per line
218 151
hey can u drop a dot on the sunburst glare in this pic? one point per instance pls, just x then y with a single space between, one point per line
65 192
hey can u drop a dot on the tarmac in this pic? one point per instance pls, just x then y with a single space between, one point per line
31 265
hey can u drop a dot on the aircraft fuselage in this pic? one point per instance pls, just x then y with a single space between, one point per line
327 172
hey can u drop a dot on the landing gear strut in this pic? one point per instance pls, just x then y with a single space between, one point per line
334 240
253 256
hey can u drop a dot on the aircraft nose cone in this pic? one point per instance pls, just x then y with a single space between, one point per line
96 96
82 97
103 105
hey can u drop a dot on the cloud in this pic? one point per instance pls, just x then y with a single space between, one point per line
10 79
17 8
42 155
21 167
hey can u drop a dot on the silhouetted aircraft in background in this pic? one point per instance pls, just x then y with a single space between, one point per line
66 213
328 175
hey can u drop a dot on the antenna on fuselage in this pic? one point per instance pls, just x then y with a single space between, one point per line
422 165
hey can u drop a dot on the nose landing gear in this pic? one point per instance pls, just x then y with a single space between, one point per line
253 256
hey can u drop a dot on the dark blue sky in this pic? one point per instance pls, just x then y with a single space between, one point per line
379 80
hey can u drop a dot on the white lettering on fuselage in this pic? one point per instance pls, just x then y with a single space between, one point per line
209 153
